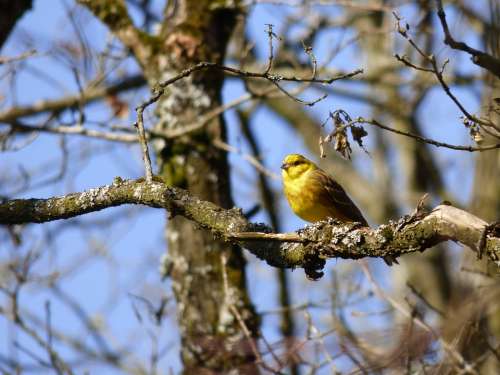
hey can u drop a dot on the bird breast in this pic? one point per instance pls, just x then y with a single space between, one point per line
303 197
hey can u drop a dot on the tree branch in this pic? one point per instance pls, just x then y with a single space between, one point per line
159 90
439 74
307 248
361 120
114 14
480 58
89 95
122 136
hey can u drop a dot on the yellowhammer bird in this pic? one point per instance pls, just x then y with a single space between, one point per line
313 195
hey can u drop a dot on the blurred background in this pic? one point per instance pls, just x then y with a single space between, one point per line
94 289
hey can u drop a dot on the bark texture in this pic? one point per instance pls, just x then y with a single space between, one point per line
211 335
307 248
213 340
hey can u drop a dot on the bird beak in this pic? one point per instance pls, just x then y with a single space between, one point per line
284 166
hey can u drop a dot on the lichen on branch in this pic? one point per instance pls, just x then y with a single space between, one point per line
307 248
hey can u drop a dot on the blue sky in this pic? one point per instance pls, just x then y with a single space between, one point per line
132 236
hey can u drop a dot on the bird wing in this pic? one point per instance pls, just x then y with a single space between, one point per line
333 193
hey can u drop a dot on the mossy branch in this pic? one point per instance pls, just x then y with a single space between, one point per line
307 248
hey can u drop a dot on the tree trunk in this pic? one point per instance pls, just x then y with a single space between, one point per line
10 13
212 339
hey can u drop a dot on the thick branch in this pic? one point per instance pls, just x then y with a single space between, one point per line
307 248
114 14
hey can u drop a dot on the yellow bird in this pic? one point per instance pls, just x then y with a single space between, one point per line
313 195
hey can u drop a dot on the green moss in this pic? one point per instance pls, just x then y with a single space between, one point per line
387 233
112 13
175 154
173 168
154 43
173 173
294 256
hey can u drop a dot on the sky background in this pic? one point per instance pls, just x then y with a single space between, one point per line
132 237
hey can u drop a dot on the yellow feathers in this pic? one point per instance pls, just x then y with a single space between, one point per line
313 195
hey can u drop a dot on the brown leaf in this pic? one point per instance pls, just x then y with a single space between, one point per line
341 142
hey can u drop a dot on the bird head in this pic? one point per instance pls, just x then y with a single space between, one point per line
295 165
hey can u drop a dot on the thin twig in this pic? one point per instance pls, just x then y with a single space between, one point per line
345 3
125 134
467 368
438 72
144 144
251 340
160 88
20 127
270 57
186 130
22 56
480 58
361 120
92 93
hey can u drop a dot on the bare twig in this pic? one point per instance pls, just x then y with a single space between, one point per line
438 72
361 120
420 138
18 126
246 331
58 364
144 144
270 57
186 130
124 134
22 56
425 300
159 90
467 368
480 58
90 95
